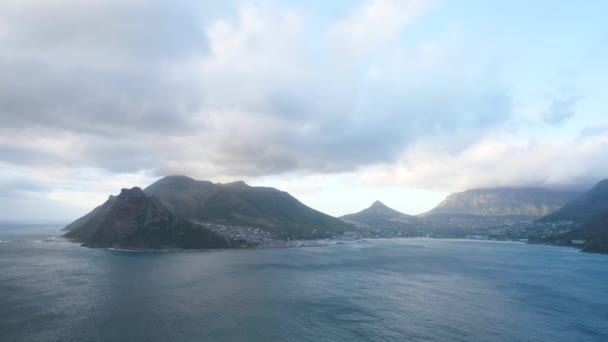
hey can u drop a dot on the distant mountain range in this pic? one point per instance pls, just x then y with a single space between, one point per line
380 216
181 212
175 211
522 202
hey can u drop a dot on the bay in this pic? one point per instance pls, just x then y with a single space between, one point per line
379 290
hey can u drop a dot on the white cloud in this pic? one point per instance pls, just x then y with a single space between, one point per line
372 26
222 90
558 163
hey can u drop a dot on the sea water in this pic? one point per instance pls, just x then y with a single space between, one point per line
379 290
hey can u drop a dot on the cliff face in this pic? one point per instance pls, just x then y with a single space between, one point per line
136 220
503 202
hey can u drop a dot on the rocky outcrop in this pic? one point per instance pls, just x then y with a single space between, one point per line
135 220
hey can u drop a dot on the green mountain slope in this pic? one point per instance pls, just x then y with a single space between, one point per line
240 204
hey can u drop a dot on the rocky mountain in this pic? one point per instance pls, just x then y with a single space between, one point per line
135 220
378 215
585 208
240 204
589 213
593 235
96 214
521 202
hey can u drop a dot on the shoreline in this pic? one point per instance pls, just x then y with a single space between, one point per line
288 244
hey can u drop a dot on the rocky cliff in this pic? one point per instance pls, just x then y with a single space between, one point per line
135 220
528 202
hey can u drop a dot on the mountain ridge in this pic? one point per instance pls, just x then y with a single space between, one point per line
585 208
503 201
237 203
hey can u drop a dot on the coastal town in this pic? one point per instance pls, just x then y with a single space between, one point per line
509 229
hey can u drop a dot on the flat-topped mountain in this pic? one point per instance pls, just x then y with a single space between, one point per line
240 204
585 208
523 202
135 220
381 216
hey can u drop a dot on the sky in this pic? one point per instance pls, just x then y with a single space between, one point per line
340 103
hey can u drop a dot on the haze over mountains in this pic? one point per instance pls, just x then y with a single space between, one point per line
181 212
468 208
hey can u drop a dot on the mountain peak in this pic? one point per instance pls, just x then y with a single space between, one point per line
177 178
380 215
378 205
237 184
132 191
176 182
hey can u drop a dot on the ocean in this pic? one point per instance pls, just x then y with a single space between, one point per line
378 290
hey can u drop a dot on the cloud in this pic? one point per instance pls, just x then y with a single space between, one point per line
591 131
246 93
373 25
558 163
562 105
226 90
40 194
